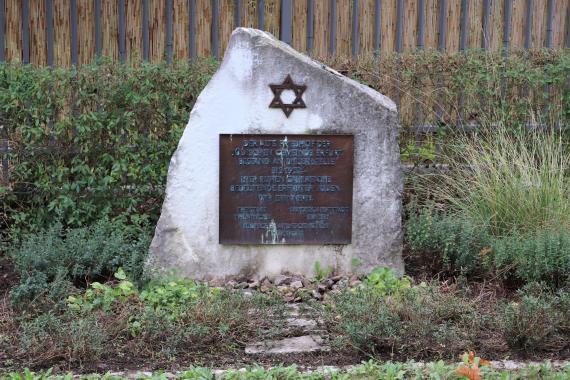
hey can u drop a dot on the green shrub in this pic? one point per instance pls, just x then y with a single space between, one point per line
48 261
384 282
540 256
422 322
538 321
449 236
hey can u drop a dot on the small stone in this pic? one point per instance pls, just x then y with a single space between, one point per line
254 284
296 284
328 282
242 285
317 295
281 280
335 287
248 293
231 284
336 278
266 283
284 289
322 288
264 289
306 282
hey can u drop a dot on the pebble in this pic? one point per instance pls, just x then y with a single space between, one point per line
281 280
296 284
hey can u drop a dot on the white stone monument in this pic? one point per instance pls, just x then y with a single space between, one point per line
307 98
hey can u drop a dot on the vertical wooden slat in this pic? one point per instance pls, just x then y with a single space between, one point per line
560 22
61 22
453 26
122 31
110 26
377 26
399 25
538 24
322 32
300 15
310 26
343 27
204 28
464 28
272 12
286 22
169 37
2 30
181 35
25 31
475 22
388 35
355 31
410 25
156 30
568 26
73 38
133 31
518 22
38 32
228 21
431 31
366 19
421 24
98 28
496 21
332 27
86 26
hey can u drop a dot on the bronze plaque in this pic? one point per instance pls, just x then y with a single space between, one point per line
286 189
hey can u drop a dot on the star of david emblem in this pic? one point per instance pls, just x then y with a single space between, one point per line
287 84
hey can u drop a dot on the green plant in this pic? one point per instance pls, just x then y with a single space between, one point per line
505 182
384 282
321 272
449 236
536 322
49 261
103 296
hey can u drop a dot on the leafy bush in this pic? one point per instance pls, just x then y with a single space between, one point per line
421 322
457 241
92 142
384 282
538 321
50 260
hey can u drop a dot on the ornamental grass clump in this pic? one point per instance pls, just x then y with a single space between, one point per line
506 182
514 188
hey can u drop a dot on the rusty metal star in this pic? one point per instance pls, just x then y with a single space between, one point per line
287 84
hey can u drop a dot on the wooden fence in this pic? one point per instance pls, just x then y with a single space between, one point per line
66 32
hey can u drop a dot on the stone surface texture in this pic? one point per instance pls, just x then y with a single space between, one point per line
236 101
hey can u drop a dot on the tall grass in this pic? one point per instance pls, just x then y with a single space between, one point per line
507 182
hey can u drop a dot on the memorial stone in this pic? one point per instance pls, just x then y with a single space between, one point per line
284 163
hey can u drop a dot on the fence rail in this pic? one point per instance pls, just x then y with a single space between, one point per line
68 32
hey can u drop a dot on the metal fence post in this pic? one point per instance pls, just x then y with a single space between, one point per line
355 26
2 29
215 28
169 35
237 14
486 17
73 32
464 25
26 31
98 29
442 24
421 24
549 20
261 14
310 26
122 32
192 28
145 30
399 25
528 25
377 26
507 26
49 31
332 25
286 29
